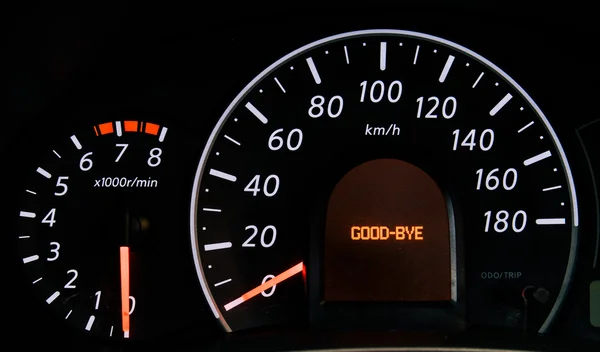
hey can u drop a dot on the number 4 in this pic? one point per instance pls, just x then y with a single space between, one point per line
49 218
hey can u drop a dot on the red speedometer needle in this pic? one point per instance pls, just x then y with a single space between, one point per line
267 285
125 289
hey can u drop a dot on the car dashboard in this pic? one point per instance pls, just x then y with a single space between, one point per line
385 177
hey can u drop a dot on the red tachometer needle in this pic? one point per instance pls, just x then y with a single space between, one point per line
125 289
267 285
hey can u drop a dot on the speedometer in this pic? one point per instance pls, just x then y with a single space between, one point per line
379 172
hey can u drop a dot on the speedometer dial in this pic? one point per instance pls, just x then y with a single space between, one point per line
379 171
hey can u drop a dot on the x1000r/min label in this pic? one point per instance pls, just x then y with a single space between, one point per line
125 182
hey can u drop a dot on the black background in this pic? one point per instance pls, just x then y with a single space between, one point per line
185 64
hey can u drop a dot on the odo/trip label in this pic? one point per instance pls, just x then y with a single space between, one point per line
504 275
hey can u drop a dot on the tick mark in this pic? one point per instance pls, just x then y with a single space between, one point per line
232 140
525 127
554 221
279 84
52 297
27 214
446 69
501 104
416 55
382 55
346 54
222 175
43 172
313 70
537 158
477 81
30 259
76 142
256 113
217 246
222 282
90 323
119 128
163 134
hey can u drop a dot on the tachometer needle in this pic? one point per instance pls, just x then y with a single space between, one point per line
267 285
125 290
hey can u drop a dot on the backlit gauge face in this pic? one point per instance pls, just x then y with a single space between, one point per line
384 166
93 237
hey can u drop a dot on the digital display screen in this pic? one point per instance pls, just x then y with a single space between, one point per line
595 303
387 236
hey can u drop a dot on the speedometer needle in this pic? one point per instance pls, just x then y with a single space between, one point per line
125 289
267 285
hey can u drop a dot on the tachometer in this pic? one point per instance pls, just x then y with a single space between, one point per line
384 171
93 237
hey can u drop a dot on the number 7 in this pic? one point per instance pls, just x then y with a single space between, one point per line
124 146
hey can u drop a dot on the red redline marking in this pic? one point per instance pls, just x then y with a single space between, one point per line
128 126
131 126
106 128
151 128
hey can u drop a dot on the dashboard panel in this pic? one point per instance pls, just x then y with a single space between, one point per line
404 177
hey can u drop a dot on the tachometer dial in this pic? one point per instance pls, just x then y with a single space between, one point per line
96 219
384 171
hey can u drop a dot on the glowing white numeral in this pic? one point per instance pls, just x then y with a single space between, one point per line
377 91
519 221
270 291
486 140
293 141
509 180
123 149
267 236
269 188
